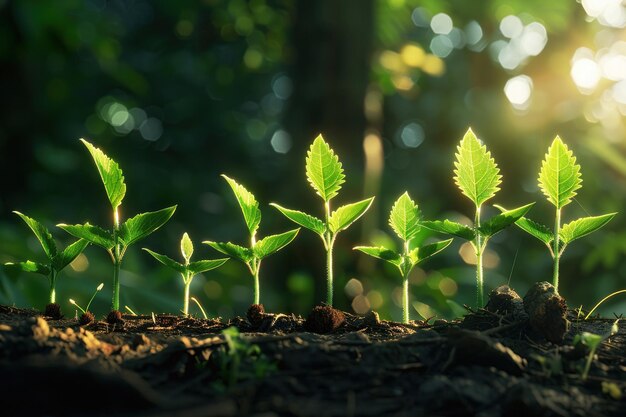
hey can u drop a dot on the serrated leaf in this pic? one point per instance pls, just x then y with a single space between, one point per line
232 250
539 231
90 233
419 255
476 173
29 266
344 216
186 247
559 177
451 228
405 217
323 169
42 233
583 226
503 220
273 243
381 253
303 219
199 267
247 202
70 253
144 224
167 261
110 173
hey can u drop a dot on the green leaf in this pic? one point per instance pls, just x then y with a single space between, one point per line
323 169
110 173
503 220
419 255
29 266
476 173
70 253
303 219
232 250
344 216
381 253
186 247
199 267
539 231
405 217
559 177
583 226
92 234
43 235
247 202
144 224
451 228
167 261
272 244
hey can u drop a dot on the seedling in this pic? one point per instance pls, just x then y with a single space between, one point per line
188 270
405 219
325 175
478 177
86 309
559 179
258 250
195 300
613 294
592 341
117 240
56 260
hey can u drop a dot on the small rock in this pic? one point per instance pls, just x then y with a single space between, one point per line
547 311
256 314
324 319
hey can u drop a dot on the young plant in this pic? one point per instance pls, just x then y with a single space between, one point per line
56 260
559 179
325 175
478 177
87 317
592 341
258 250
188 270
117 240
404 219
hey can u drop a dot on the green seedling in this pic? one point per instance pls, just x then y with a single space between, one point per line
188 270
559 179
478 177
56 260
258 250
613 294
592 341
325 174
405 220
117 240
86 309
195 300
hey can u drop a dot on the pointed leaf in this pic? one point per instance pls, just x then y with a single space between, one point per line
232 250
419 255
70 253
503 220
273 243
90 233
186 247
110 173
381 253
344 216
476 173
199 267
167 261
323 169
144 224
405 217
539 231
43 235
583 226
247 202
451 228
303 219
559 177
29 266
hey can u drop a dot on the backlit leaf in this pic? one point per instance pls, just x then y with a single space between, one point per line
303 219
247 202
199 267
232 250
29 266
323 169
167 261
559 177
65 257
503 220
43 235
144 224
90 233
381 253
110 173
405 217
419 255
451 228
273 243
344 216
186 247
583 226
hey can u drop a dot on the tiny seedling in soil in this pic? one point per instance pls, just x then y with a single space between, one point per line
117 240
56 260
87 317
405 219
559 179
188 270
258 250
592 341
325 174
478 177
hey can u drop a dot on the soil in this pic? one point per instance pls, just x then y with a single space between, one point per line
491 363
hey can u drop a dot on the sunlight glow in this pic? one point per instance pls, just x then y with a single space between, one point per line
441 24
518 91
586 74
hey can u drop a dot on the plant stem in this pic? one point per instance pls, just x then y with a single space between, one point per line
53 283
588 363
405 284
556 249
115 303
479 261
257 287
330 242
187 281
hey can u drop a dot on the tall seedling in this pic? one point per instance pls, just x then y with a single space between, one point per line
325 175
478 177
117 240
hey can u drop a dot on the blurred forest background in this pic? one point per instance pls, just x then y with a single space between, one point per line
179 92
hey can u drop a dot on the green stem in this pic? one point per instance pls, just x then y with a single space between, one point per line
405 283
479 261
556 249
115 303
187 281
329 271
257 287
588 364
53 284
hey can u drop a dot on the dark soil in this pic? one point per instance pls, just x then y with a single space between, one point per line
492 363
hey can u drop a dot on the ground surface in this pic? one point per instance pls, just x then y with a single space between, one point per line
486 365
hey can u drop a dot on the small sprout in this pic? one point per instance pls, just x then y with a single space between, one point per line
593 341
188 270
195 300
130 310
86 309
405 220
600 303
258 250
86 318
478 177
325 174
117 240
